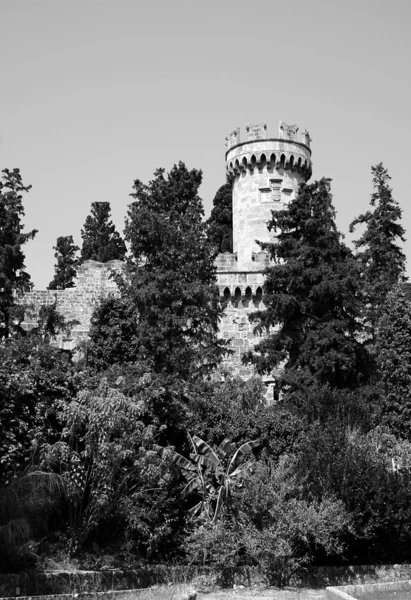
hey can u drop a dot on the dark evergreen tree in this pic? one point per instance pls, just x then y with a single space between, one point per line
311 295
14 280
392 350
221 219
67 261
101 241
381 259
169 290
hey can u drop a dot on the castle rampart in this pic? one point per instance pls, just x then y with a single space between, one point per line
266 174
94 281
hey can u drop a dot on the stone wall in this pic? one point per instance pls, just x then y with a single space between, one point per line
241 292
36 583
94 281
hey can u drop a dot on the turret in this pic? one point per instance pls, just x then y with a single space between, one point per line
266 173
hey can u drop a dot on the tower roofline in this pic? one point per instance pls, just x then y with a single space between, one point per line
282 140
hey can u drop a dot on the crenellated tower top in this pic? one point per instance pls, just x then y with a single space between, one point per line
291 146
266 173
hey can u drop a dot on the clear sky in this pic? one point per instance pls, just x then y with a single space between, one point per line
97 93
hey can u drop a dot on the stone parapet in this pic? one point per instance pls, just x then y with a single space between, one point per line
243 282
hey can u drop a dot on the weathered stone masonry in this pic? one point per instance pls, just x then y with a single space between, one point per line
94 281
265 174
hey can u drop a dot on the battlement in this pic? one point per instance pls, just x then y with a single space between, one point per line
290 151
258 131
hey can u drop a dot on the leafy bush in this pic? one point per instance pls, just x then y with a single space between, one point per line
228 404
370 473
277 530
118 483
36 382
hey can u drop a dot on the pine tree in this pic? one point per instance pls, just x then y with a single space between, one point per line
14 280
311 295
380 257
169 292
221 219
67 261
101 241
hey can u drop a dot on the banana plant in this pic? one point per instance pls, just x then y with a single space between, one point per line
213 474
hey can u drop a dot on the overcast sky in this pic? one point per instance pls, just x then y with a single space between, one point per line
97 93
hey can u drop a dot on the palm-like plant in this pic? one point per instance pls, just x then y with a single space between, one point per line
25 505
213 474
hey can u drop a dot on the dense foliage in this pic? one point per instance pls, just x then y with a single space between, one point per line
393 360
67 261
311 295
168 295
36 381
14 280
101 241
149 449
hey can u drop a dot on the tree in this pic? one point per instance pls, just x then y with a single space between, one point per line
14 280
113 333
311 295
67 261
221 219
101 241
169 288
380 257
392 350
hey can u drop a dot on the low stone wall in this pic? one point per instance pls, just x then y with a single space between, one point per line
115 595
35 583
67 583
351 592
354 575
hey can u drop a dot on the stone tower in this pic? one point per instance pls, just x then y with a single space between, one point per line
265 173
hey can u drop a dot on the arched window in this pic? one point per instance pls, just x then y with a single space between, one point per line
258 297
237 298
248 296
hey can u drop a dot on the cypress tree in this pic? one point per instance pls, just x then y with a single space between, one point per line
101 241
14 280
67 261
311 294
221 219
381 260
169 298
